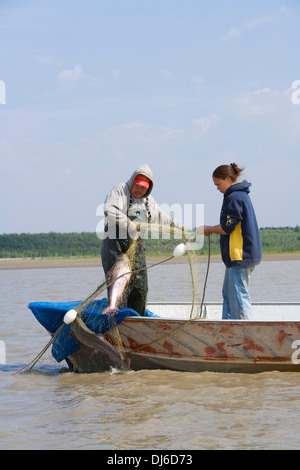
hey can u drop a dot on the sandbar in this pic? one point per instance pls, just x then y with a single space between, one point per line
41 263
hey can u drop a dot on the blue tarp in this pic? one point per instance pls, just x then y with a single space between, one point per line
50 315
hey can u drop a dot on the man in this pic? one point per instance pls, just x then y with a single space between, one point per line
129 208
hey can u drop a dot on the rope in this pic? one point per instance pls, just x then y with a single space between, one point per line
38 357
166 335
103 287
206 277
79 309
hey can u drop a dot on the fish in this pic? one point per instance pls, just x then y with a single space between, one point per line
118 281
98 343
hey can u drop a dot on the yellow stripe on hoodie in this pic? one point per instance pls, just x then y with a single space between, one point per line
236 243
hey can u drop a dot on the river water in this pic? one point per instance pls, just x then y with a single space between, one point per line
49 408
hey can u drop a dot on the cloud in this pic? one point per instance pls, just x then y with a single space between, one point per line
46 59
262 91
134 140
134 125
232 34
161 135
235 33
166 74
115 75
269 112
204 124
71 76
260 102
151 134
264 19
198 82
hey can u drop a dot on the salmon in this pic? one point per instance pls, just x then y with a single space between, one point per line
98 343
118 281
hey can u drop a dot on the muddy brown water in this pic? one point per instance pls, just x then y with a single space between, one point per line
49 408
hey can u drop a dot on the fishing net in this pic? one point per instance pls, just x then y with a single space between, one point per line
90 322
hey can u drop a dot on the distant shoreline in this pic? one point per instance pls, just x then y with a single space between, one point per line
42 263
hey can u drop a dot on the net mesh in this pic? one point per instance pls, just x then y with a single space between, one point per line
135 253
90 306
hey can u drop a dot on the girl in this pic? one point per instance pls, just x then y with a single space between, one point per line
239 240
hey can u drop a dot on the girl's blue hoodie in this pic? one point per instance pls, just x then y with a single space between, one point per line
241 246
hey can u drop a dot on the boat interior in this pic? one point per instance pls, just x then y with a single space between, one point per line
213 311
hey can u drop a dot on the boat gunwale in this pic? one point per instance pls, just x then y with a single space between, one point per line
220 320
216 320
221 303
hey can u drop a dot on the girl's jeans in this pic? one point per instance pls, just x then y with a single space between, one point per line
236 299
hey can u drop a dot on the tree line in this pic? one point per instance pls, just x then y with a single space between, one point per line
88 244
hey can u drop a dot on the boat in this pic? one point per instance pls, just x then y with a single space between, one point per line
171 336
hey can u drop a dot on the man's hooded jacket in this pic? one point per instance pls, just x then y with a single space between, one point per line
123 212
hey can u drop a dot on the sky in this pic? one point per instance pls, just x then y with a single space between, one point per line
90 90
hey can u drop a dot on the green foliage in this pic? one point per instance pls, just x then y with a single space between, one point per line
280 240
166 247
49 245
85 244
